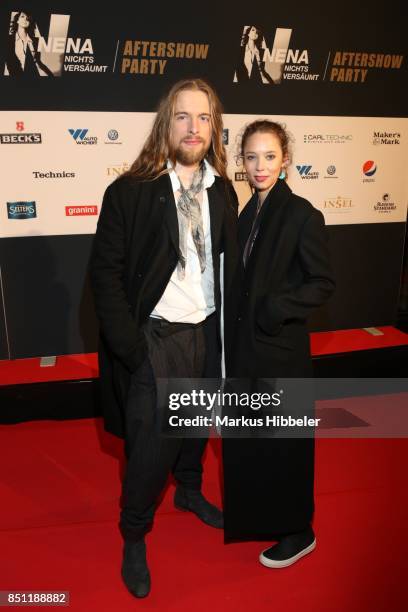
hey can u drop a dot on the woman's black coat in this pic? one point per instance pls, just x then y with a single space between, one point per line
269 481
287 276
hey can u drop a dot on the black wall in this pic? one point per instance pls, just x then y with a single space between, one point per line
47 298
51 311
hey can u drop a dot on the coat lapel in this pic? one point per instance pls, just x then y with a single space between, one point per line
275 201
246 219
166 199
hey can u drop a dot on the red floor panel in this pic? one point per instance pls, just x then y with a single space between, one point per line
67 367
77 367
60 484
347 340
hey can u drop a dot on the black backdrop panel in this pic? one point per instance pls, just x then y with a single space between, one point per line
4 353
320 28
53 311
47 297
366 261
47 292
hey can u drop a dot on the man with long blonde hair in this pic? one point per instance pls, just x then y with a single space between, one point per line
155 272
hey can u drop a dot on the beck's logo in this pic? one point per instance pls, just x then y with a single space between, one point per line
20 138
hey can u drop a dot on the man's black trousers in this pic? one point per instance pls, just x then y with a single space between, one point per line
176 350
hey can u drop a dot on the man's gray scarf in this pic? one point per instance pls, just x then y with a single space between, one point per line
189 215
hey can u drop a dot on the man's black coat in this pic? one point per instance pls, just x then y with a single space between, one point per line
135 252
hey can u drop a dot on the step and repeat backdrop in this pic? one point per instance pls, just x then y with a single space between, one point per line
353 169
79 86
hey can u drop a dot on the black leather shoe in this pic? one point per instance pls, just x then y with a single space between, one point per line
190 500
135 572
290 549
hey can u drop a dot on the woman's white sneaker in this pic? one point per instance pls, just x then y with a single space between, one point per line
289 549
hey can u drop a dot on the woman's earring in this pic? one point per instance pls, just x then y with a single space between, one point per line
282 174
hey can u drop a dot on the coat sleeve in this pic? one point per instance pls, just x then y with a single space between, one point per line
316 288
230 218
233 199
107 272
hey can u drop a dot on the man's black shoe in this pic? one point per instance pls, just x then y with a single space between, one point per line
135 572
290 549
194 501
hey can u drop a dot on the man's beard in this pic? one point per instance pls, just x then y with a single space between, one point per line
189 158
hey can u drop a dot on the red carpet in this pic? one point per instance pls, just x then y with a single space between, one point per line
60 484
77 367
